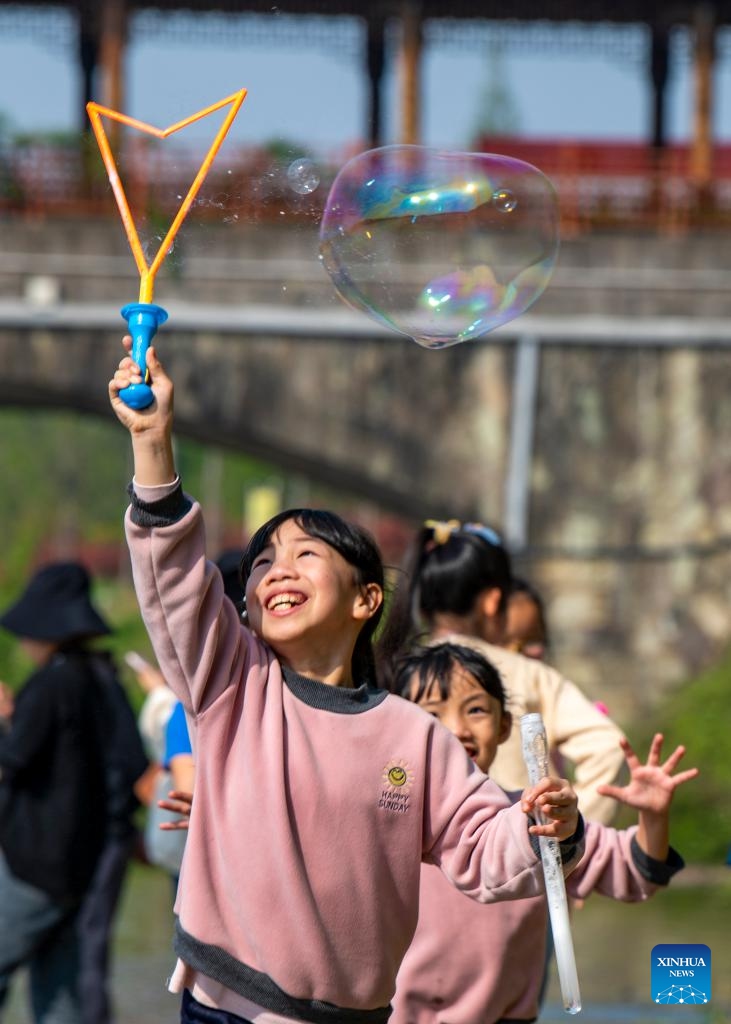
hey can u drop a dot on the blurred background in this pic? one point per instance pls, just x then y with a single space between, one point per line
593 432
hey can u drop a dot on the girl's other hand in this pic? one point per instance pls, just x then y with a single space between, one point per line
651 785
555 803
178 802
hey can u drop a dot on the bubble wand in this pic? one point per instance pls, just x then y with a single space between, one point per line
535 755
144 317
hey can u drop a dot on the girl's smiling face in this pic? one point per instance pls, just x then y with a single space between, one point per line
473 715
304 599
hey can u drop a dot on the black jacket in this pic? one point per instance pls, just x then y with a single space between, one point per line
53 789
124 752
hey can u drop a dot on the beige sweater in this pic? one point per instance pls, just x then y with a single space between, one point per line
578 734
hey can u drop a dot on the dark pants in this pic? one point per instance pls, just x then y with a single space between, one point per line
193 1012
40 934
94 925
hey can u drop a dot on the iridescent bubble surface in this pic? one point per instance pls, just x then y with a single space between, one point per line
441 246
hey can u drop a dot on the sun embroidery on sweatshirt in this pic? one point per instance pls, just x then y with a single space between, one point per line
397 780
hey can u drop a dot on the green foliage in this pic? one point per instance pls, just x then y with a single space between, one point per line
51 137
64 494
285 150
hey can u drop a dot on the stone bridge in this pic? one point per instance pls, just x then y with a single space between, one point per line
598 441
323 393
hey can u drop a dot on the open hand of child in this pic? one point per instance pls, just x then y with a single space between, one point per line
555 802
651 785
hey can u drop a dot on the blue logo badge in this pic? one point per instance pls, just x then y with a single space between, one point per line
681 974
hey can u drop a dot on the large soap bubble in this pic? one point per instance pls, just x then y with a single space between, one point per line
441 246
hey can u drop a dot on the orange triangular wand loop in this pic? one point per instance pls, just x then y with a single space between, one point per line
236 100
143 317
111 168
131 122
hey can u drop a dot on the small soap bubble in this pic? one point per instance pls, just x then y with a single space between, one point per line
302 176
504 200
151 247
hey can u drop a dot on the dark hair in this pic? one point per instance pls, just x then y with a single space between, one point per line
229 565
522 586
447 567
358 549
435 664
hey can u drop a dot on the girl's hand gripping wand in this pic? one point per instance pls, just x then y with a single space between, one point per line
144 317
143 320
535 755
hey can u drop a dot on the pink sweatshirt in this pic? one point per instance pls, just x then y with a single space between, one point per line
473 964
314 805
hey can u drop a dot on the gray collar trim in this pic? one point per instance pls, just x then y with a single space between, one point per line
343 700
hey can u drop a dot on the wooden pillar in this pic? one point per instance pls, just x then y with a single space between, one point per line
659 66
88 52
701 159
88 60
375 63
411 44
113 38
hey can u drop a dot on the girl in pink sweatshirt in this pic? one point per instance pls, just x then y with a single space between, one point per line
317 795
475 964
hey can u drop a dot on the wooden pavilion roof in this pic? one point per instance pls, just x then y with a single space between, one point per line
665 14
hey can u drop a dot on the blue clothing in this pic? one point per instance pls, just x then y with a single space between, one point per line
166 848
177 739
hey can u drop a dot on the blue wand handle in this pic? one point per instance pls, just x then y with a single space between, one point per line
143 320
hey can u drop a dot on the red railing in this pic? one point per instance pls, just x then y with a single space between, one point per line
622 184
600 185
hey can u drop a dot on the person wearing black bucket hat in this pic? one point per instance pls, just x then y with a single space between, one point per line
58 758
56 607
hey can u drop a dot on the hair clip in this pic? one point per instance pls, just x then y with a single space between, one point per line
442 531
485 532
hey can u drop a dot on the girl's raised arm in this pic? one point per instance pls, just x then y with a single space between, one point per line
196 634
